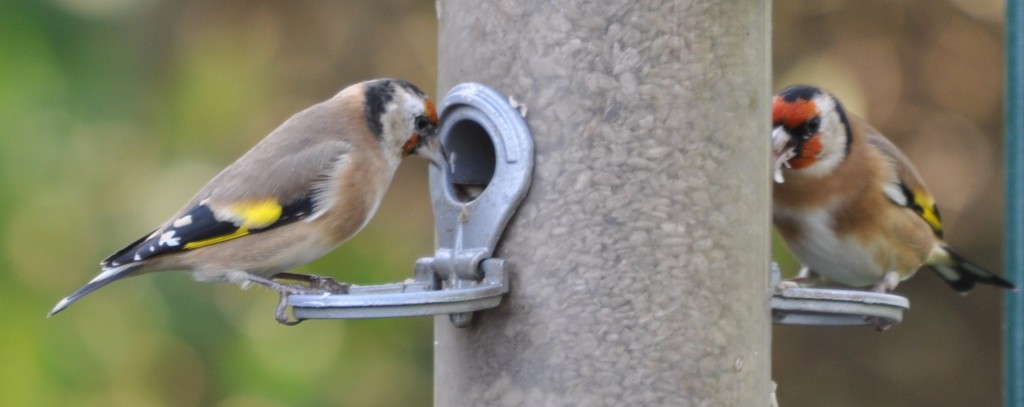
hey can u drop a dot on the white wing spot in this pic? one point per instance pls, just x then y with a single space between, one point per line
168 239
108 273
137 257
183 221
895 193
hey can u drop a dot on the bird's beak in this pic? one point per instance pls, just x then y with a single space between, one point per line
430 148
782 151
780 137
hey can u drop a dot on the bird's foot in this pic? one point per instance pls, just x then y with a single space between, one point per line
889 282
805 278
798 282
316 282
317 285
791 283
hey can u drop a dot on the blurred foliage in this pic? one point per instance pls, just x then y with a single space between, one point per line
929 75
116 111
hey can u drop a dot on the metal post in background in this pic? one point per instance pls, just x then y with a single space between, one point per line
639 260
1014 265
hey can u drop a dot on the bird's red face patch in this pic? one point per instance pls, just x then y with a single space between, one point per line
430 110
410 145
795 116
792 114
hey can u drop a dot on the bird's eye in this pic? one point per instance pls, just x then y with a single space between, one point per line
422 123
813 126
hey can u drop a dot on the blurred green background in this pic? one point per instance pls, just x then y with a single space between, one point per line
114 112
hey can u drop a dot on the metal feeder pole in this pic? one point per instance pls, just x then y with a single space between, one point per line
639 262
1014 238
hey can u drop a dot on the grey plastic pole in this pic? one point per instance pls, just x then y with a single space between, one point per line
640 256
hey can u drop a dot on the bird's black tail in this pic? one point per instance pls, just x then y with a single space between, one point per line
109 275
962 275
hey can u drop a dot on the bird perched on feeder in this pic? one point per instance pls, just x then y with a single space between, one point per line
307 187
850 205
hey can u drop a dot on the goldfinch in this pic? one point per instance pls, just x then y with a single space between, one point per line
850 205
307 187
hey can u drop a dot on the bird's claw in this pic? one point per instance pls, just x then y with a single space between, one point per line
281 316
317 285
888 283
797 282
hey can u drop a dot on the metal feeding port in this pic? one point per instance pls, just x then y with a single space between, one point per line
490 156
831 307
